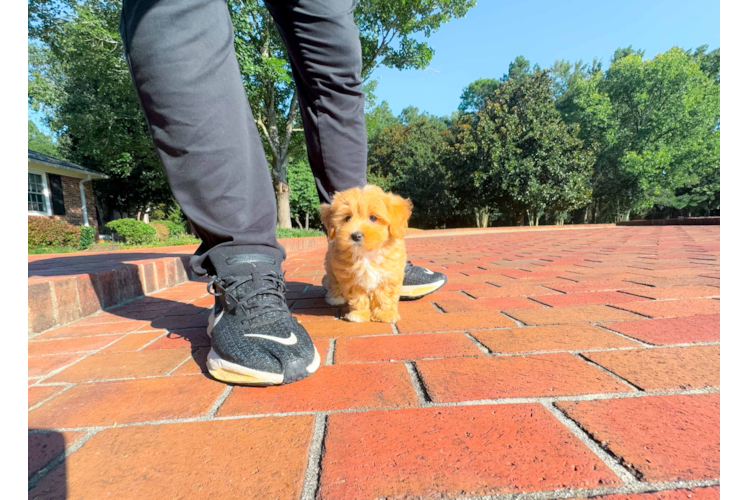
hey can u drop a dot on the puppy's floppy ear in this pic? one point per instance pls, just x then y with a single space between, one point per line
399 211
325 212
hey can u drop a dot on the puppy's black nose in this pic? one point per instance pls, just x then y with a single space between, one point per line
357 236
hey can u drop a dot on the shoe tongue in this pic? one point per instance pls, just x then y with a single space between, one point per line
244 264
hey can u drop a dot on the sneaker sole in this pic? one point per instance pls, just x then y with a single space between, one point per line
233 373
412 292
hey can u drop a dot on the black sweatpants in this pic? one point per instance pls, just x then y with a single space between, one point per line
182 61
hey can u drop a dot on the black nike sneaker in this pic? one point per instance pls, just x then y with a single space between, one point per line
419 282
254 338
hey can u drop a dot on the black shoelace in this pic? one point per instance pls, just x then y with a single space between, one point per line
273 285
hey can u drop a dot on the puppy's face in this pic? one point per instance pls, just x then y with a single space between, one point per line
363 220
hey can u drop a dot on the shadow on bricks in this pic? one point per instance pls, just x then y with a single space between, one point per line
47 447
63 289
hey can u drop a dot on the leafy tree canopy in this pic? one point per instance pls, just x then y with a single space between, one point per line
41 142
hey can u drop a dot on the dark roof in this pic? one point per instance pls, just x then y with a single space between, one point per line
56 162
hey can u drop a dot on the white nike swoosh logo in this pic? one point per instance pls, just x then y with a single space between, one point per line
287 341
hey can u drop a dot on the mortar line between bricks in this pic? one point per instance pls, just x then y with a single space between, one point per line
438 308
211 413
625 475
631 312
478 344
517 322
330 357
628 337
418 385
492 354
610 373
69 450
629 489
152 341
170 372
37 405
314 458
89 353
538 302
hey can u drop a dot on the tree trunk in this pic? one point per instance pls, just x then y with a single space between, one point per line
298 222
283 199
306 222
481 217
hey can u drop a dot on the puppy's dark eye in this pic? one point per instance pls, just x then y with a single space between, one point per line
373 218
348 218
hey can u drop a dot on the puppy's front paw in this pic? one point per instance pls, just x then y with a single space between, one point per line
381 316
334 301
357 316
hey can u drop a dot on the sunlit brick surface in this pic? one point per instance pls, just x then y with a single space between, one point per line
555 359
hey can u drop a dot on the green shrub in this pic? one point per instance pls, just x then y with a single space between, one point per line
88 234
296 233
45 232
175 228
134 232
162 230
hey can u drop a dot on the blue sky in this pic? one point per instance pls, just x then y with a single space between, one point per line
494 32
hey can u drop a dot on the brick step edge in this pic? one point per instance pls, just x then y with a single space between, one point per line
680 221
55 301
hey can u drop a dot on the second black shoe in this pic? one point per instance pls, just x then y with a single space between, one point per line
254 338
419 281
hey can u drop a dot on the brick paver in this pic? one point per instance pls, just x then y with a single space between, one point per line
667 368
448 452
671 330
370 386
465 379
190 460
548 351
661 438
551 338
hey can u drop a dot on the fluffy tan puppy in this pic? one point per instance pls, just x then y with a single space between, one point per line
365 258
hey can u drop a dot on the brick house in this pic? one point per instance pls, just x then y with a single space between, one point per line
61 190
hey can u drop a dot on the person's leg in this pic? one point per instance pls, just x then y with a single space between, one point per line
181 55
323 44
322 41
182 60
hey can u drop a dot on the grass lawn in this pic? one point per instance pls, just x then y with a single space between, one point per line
104 246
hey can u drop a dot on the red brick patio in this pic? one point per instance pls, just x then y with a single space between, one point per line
561 364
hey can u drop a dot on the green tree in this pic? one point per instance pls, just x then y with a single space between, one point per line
517 154
474 95
379 118
41 142
519 69
407 159
388 32
708 61
79 78
652 120
303 200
